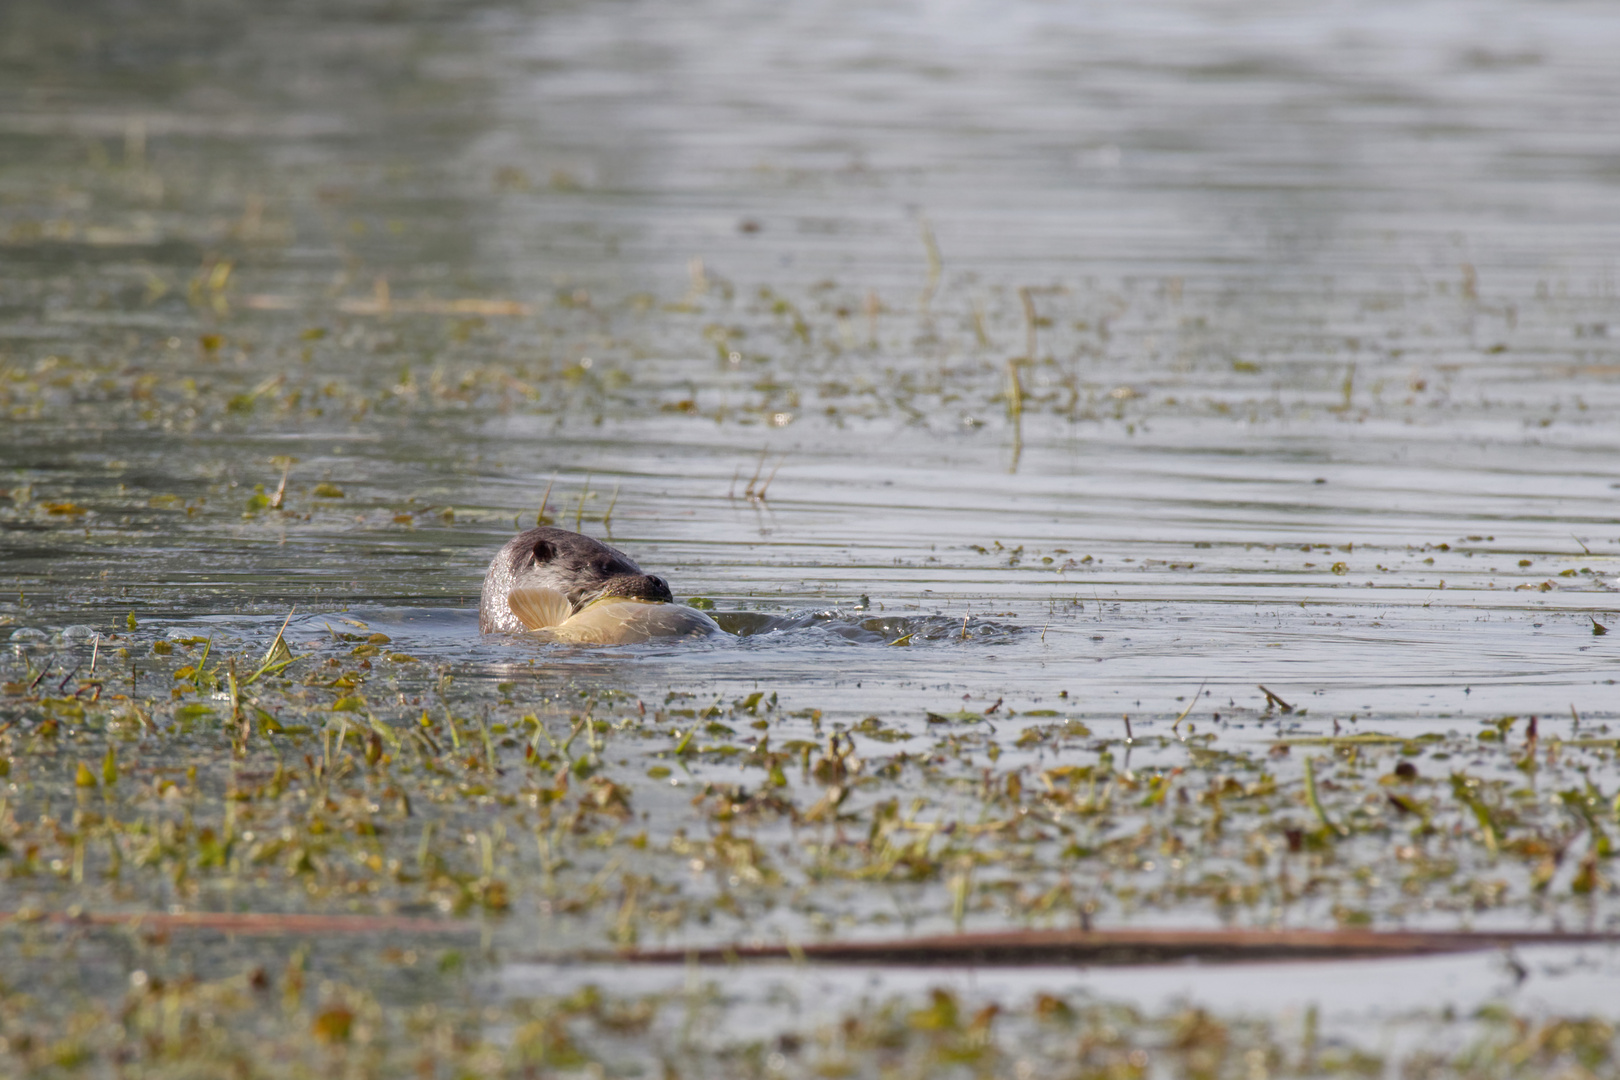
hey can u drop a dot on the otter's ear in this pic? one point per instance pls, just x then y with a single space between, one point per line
544 552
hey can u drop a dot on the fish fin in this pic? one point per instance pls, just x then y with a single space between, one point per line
538 608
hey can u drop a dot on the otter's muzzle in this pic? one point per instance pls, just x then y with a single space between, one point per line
649 587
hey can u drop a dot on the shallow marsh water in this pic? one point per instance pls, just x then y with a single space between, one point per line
1099 358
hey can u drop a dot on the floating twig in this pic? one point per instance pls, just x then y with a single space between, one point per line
1028 302
579 511
978 325
1188 709
760 494
1015 411
1368 739
936 265
540 518
748 492
1316 803
1110 947
281 489
1015 390
1273 699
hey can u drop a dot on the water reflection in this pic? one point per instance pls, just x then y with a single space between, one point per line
1306 315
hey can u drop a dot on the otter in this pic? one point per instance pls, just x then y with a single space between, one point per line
567 587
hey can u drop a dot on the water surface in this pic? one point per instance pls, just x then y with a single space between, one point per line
1104 357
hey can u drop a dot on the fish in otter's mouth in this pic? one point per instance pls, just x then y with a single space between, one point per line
573 588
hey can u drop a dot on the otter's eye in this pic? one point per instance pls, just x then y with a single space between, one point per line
543 551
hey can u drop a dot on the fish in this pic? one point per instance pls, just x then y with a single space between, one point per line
612 620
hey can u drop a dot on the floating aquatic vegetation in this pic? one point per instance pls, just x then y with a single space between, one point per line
203 772
418 1012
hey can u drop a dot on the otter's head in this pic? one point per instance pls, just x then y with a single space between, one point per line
582 569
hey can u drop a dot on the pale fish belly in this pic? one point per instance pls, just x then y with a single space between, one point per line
621 622
613 621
